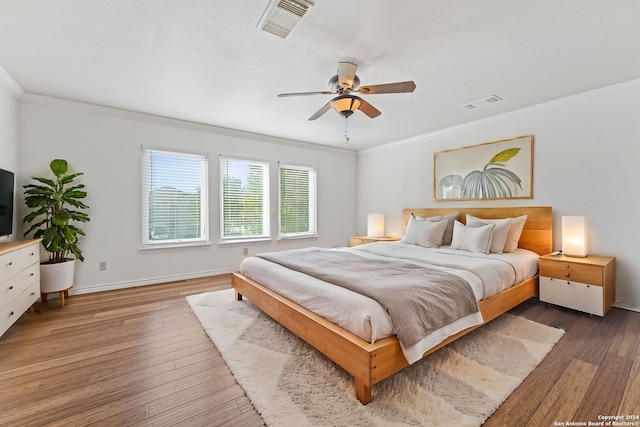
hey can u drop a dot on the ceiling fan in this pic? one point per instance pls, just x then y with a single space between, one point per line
344 84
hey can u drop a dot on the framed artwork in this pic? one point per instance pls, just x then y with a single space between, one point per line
493 170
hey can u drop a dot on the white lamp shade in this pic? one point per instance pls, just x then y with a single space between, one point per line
375 225
574 236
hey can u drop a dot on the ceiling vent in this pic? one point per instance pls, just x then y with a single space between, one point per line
282 15
481 102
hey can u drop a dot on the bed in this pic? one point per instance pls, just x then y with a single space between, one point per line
370 363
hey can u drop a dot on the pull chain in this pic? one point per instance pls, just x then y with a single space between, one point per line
346 131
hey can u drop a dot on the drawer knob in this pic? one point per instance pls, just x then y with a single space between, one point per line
11 314
568 265
568 275
11 287
10 263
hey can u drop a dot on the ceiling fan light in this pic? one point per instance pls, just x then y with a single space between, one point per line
346 105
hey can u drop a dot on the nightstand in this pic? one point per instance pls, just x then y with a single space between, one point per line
585 284
361 240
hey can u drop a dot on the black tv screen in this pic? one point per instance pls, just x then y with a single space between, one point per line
6 202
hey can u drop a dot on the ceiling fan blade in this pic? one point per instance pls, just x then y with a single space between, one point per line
346 74
368 109
399 87
305 93
321 111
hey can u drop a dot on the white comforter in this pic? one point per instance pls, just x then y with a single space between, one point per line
364 317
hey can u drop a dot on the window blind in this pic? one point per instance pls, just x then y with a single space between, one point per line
175 196
244 198
297 201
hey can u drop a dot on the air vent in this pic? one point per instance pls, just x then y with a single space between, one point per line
282 15
481 102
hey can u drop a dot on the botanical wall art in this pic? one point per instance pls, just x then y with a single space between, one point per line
493 170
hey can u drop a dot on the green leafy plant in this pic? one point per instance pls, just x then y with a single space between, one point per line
56 205
495 180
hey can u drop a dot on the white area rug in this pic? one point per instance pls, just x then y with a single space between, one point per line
292 384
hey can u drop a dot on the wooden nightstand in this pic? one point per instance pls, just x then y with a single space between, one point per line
361 240
585 284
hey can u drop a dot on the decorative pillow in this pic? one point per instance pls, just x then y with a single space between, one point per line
515 230
448 232
472 239
424 233
499 234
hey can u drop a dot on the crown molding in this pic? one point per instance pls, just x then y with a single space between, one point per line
67 104
7 82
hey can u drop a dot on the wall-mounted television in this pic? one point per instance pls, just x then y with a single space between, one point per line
6 202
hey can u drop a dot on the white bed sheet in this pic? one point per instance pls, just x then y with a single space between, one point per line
366 318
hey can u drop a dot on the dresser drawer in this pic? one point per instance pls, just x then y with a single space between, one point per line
9 290
30 275
9 265
566 270
29 255
18 305
19 279
575 295
10 313
30 296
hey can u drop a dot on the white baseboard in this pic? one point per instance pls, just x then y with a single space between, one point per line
626 306
144 282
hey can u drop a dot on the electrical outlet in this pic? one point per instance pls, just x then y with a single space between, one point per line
245 251
102 266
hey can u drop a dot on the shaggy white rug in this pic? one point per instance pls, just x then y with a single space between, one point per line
290 383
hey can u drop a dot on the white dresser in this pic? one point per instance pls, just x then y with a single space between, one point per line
19 279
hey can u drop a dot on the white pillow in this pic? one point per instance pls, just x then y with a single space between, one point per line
515 230
448 232
472 239
499 234
424 233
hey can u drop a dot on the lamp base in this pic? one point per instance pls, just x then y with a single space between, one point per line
575 256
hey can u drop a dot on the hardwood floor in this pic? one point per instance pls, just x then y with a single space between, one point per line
140 357
129 357
593 371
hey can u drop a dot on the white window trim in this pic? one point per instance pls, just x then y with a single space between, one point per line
204 201
313 210
266 221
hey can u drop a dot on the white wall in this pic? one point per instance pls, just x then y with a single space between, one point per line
9 110
105 145
586 157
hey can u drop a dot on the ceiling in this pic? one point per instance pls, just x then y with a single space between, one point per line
206 61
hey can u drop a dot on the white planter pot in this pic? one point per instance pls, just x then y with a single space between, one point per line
57 277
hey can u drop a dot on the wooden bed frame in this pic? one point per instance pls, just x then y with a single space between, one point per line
371 363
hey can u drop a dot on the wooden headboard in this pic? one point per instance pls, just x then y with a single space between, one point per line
537 234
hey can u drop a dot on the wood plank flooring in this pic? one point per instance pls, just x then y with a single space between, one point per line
592 371
140 357
129 357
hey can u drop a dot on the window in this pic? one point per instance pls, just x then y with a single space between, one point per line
244 198
174 197
297 201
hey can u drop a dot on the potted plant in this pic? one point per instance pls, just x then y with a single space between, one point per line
56 205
